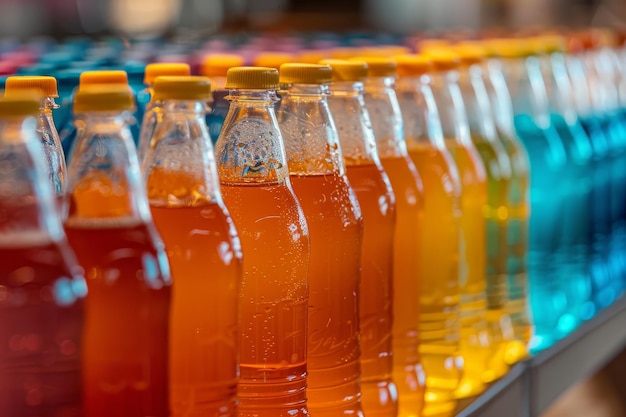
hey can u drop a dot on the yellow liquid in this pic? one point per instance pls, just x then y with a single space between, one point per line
439 273
517 245
408 372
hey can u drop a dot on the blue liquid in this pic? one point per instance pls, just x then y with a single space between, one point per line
548 300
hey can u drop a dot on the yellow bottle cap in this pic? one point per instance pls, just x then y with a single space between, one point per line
18 83
412 65
344 52
89 78
164 68
550 44
217 65
253 78
378 66
470 53
311 56
385 51
305 74
443 59
272 59
20 103
173 87
345 70
510 48
426 45
97 98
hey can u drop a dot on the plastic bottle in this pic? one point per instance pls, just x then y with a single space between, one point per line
110 228
498 167
476 344
333 215
149 108
215 67
203 249
577 187
439 265
46 130
548 159
384 110
41 314
518 210
255 184
377 202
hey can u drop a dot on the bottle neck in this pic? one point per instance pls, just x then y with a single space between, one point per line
558 87
31 213
449 102
53 151
354 126
384 109
500 97
179 166
422 125
309 131
250 147
477 104
104 181
528 91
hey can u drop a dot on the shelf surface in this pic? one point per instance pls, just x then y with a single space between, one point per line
532 386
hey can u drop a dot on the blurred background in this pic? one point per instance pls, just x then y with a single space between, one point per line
150 18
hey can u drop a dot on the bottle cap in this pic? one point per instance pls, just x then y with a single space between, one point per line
470 53
344 52
164 68
443 59
114 97
427 45
384 51
89 78
20 104
413 65
344 70
217 65
47 85
253 78
181 87
305 74
272 59
378 66
510 48
550 44
311 56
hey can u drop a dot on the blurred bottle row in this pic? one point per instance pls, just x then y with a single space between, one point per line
377 232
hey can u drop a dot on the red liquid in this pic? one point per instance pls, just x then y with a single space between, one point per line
41 323
274 296
125 367
335 229
408 370
377 206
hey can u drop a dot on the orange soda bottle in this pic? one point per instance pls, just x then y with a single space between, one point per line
255 183
203 249
110 228
476 345
439 263
384 110
46 130
333 214
41 301
150 110
377 202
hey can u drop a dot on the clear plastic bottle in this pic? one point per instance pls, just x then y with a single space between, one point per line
439 264
518 210
255 184
203 250
127 309
215 67
46 130
149 108
377 201
476 344
498 167
42 308
386 118
548 160
333 215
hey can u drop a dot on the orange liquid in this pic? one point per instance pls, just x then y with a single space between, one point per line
377 206
206 271
41 324
274 296
335 230
439 273
408 372
127 312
